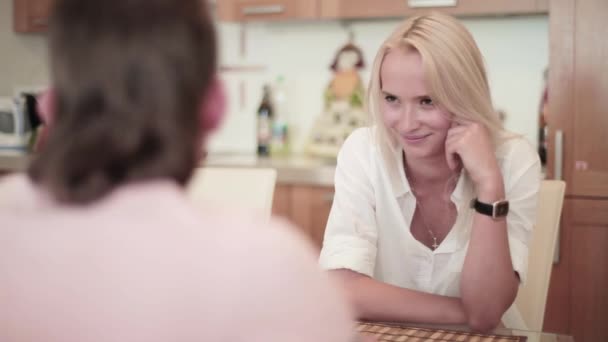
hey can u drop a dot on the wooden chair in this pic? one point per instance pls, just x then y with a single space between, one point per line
532 296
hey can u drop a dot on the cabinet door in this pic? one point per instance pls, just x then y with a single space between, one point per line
577 303
281 202
252 10
578 84
400 8
578 153
589 264
31 15
589 273
542 5
310 206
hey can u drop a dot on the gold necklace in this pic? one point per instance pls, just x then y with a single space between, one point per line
431 234
419 206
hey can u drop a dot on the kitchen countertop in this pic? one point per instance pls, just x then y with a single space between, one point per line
13 163
290 170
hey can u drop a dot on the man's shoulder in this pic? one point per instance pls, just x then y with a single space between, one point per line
247 231
13 188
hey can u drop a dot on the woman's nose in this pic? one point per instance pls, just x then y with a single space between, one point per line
409 119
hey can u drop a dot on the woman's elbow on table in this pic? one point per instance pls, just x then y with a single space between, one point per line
484 322
483 315
484 312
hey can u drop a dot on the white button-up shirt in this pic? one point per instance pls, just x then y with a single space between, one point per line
368 230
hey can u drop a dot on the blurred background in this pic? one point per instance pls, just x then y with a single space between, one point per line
260 43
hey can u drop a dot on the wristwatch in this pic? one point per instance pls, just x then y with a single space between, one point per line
495 210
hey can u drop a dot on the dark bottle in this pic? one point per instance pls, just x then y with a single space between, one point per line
265 117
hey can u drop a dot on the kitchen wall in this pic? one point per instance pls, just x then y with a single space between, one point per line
22 56
515 49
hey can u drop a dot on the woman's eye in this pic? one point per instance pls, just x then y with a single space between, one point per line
427 102
390 98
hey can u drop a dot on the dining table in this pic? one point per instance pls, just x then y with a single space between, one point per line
432 333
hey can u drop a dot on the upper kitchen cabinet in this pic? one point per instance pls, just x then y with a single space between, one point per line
542 5
267 10
31 15
351 9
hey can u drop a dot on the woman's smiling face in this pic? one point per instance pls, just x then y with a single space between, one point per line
408 112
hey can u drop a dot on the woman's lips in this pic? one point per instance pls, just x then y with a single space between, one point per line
414 138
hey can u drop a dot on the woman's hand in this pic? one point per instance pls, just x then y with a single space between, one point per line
470 146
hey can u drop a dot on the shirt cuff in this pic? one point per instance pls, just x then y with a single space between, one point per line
347 252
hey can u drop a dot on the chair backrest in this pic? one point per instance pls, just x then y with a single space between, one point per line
246 188
532 296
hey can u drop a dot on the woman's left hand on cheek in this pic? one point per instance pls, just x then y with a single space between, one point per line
472 143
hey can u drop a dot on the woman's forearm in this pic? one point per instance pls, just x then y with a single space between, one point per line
488 282
377 301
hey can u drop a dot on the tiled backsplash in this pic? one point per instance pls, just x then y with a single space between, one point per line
515 49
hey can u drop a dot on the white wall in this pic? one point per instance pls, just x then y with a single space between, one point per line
22 56
515 49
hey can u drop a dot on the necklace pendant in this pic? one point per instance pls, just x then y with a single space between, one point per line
434 245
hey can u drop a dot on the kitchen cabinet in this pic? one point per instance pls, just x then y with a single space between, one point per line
266 10
31 15
306 206
578 153
589 270
281 201
346 9
542 5
577 304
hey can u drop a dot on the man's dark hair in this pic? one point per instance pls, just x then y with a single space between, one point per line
129 78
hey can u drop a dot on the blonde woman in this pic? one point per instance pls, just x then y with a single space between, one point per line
434 203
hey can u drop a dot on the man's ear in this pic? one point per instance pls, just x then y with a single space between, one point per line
213 107
46 105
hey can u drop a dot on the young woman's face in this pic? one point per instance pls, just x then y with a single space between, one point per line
409 113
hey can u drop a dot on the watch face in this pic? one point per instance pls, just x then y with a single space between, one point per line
501 209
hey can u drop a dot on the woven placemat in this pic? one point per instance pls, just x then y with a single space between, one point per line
388 332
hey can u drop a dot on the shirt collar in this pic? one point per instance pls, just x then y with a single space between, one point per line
401 185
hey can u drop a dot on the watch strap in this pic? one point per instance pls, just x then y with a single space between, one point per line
497 209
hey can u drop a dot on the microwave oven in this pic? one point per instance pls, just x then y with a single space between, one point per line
18 123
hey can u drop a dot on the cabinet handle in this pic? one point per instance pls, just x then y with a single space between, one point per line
558 166
556 251
431 3
557 174
261 10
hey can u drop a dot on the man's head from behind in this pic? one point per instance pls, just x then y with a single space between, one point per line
135 93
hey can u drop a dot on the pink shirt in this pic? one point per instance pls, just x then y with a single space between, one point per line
143 265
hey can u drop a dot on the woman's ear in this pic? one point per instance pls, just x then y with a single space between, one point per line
213 107
46 105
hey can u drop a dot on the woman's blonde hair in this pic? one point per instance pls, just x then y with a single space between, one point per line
453 66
